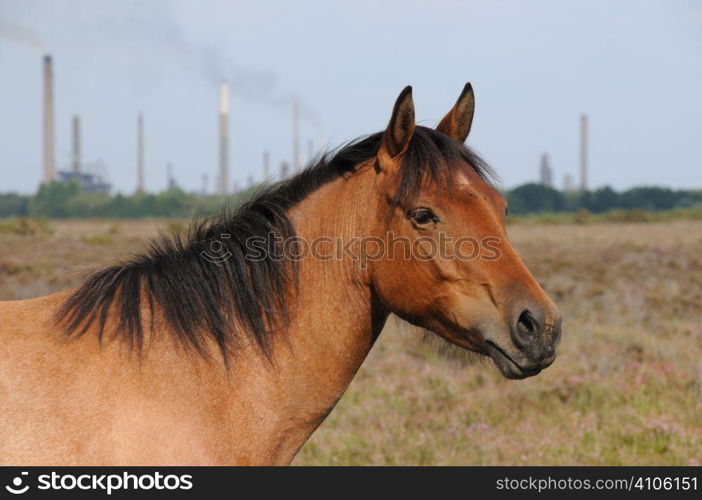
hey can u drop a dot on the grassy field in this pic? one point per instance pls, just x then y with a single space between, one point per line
626 388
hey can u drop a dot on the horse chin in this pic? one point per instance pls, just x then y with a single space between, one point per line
472 341
507 366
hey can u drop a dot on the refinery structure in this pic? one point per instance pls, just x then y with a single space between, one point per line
93 176
546 172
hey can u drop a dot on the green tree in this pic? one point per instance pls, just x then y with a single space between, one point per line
13 204
602 200
534 198
52 199
649 198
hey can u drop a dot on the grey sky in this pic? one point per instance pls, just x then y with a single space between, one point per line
635 68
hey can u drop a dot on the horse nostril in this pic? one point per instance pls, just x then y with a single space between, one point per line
527 324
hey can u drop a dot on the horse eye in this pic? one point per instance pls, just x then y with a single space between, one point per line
423 216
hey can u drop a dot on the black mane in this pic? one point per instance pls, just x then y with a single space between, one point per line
202 301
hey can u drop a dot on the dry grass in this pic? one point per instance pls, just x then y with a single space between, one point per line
626 389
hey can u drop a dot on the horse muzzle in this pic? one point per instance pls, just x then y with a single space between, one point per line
534 337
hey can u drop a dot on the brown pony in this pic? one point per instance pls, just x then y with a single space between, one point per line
231 345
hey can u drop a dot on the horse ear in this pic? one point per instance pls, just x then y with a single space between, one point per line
401 127
457 122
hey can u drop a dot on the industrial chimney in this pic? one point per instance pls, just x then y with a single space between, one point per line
76 144
583 152
223 139
49 158
205 180
546 171
568 185
140 153
170 179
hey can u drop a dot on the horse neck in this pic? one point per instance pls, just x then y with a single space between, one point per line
334 317
334 313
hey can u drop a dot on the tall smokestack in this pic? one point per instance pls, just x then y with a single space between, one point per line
76 144
49 158
140 153
266 166
546 171
223 139
583 152
205 179
296 136
171 183
568 185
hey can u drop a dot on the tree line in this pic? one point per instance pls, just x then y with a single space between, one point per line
69 200
537 198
